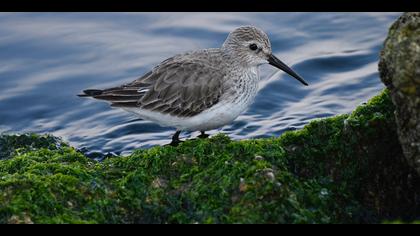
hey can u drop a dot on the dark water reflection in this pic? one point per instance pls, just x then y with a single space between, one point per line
48 58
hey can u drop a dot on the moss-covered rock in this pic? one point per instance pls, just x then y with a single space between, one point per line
400 71
14 144
347 168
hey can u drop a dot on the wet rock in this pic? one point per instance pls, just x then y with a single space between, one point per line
258 158
399 69
159 183
10 144
242 185
269 174
25 219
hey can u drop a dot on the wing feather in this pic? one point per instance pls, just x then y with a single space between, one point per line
179 86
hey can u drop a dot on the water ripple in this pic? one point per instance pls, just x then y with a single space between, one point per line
48 58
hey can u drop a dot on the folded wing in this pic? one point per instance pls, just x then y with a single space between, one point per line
177 87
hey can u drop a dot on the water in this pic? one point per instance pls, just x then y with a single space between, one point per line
46 59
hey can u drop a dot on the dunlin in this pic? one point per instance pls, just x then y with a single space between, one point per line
199 90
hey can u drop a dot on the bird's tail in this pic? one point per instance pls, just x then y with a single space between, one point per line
90 93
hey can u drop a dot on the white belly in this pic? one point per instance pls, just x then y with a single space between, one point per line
215 117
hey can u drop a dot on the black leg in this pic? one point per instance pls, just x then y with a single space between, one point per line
175 139
203 135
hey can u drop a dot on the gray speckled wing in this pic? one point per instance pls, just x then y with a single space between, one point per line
182 86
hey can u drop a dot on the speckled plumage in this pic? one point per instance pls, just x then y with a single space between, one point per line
183 86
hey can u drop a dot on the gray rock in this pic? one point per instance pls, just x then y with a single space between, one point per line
399 69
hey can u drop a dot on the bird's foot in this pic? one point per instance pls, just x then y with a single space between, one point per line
174 143
175 139
203 135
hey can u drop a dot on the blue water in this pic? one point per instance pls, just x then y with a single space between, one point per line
46 59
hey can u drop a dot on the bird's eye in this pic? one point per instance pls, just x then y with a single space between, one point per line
253 47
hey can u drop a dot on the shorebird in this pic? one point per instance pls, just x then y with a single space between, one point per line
199 90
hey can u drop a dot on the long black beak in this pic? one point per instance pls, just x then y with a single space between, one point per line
274 61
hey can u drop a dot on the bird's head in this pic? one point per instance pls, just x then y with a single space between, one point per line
251 47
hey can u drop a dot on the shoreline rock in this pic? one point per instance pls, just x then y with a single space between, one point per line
343 169
399 69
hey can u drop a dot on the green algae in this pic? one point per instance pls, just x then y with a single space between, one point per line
14 144
344 169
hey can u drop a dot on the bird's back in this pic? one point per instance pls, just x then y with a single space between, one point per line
182 86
